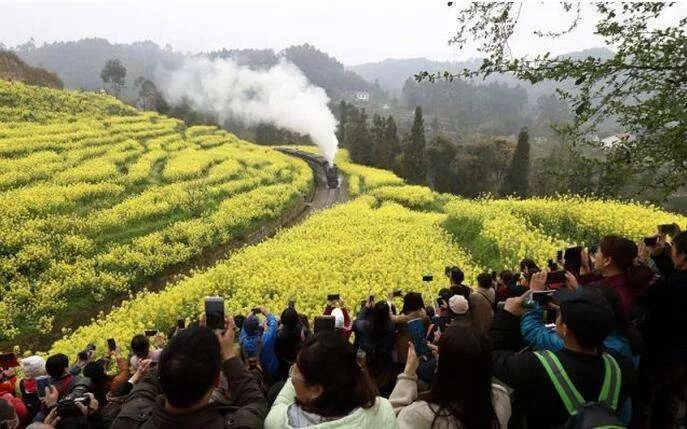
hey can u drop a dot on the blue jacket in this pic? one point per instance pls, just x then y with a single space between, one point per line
251 344
537 335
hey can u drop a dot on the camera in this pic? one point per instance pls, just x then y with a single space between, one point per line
398 293
333 297
66 407
427 278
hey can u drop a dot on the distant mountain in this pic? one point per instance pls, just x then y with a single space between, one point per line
79 64
14 69
392 73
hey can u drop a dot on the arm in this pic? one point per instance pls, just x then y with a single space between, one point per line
327 310
510 367
122 374
269 338
404 393
246 395
536 334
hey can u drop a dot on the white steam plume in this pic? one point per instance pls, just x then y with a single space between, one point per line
281 96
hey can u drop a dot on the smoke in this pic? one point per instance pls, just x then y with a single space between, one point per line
281 96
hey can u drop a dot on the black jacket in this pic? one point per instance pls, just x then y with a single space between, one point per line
535 394
145 406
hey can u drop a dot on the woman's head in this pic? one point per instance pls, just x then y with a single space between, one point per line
33 366
412 301
615 253
328 379
462 382
289 318
528 266
140 346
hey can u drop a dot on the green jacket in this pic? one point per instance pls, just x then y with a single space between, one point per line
379 416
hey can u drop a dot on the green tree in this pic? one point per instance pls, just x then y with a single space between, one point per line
114 73
390 143
441 157
149 98
516 181
379 155
413 164
358 137
640 85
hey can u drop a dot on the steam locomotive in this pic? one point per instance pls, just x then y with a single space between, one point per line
332 172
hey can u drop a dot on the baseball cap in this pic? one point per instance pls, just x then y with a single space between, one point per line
458 304
587 314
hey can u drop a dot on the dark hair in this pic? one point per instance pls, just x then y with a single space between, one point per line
529 264
82 355
429 311
304 322
238 321
379 319
95 371
680 243
328 360
506 276
461 386
189 366
624 252
289 318
412 301
55 365
622 324
140 346
485 281
456 275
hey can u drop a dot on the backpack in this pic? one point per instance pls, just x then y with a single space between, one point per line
586 414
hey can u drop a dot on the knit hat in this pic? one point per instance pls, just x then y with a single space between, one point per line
33 366
338 318
458 304
8 417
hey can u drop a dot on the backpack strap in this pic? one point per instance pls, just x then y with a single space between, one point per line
610 390
571 398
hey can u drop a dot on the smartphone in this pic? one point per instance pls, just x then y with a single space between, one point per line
292 303
555 277
573 259
398 293
181 323
333 297
214 312
427 278
151 332
416 328
542 297
256 310
323 323
650 241
559 255
42 382
111 344
8 360
668 229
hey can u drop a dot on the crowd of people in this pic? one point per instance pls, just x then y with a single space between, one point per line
594 339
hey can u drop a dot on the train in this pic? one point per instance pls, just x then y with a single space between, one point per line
331 171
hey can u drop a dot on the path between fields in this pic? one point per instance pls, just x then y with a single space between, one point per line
320 197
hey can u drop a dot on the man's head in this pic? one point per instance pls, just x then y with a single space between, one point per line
140 346
679 251
456 275
585 318
289 318
56 365
189 367
485 281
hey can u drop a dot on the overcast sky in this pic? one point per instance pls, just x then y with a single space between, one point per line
354 31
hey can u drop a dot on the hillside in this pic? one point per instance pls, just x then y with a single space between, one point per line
12 68
387 238
98 199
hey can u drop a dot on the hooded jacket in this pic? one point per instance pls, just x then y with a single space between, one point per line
253 343
285 414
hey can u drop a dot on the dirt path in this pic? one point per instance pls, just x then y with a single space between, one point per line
319 198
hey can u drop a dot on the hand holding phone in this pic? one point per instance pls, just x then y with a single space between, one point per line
214 312
416 328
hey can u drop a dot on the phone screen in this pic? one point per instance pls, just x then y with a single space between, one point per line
555 277
214 312
573 259
323 323
41 383
416 328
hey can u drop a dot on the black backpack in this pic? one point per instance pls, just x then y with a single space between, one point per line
586 414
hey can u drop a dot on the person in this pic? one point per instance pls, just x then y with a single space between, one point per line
461 393
374 335
140 347
413 308
342 318
32 367
667 341
290 336
257 342
63 384
456 277
102 382
82 358
614 262
482 303
503 280
585 319
176 393
460 312
328 388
